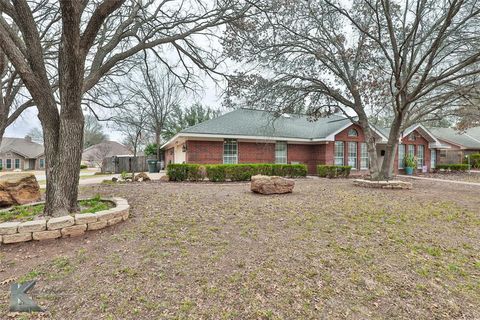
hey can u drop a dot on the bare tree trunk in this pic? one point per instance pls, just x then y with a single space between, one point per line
64 175
390 151
157 142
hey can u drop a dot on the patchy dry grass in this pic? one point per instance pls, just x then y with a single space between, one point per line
203 251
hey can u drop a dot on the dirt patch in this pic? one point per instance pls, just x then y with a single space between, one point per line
206 251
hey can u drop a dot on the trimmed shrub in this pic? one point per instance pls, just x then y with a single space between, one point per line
82 166
177 172
329 171
232 172
452 167
184 172
216 172
474 160
263 169
289 170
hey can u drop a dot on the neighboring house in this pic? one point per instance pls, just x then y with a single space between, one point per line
21 154
255 136
460 144
94 155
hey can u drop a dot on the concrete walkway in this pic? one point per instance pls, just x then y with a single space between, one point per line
98 179
441 180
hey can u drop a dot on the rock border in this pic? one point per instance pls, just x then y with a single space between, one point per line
392 184
66 226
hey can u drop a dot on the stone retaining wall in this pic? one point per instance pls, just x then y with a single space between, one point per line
66 226
394 184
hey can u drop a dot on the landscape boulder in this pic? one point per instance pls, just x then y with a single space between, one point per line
18 189
142 176
271 184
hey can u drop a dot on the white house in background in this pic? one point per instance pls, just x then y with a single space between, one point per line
21 154
94 155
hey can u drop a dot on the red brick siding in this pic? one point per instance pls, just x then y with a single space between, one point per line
302 153
343 136
169 158
251 152
204 152
420 140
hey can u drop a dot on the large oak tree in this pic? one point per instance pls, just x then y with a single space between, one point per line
95 39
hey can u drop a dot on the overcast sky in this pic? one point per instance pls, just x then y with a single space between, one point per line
211 96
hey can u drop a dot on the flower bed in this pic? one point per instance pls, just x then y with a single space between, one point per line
66 226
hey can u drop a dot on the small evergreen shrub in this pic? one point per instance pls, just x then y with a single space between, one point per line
82 166
177 172
216 173
452 167
330 171
232 172
474 160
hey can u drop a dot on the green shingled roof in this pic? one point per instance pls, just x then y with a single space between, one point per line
451 135
250 122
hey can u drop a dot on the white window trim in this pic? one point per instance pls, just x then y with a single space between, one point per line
335 153
286 152
401 158
355 167
230 156
367 157
15 163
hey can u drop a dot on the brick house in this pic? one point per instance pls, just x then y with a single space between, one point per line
459 144
255 136
21 154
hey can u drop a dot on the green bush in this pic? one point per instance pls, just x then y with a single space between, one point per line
329 171
474 160
184 172
232 172
216 173
452 167
82 166
177 172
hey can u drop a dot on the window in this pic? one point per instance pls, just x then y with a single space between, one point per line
281 152
363 156
17 163
401 156
339 155
433 159
420 156
411 150
9 163
352 133
230 151
352 154
42 163
1 163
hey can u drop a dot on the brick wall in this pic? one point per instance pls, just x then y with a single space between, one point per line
419 140
204 152
251 152
343 136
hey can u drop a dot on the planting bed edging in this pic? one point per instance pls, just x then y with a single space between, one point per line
66 226
394 184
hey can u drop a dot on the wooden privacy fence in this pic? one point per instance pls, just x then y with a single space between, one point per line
118 164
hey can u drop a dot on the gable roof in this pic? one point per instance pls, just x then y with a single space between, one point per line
26 148
251 123
105 149
464 140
